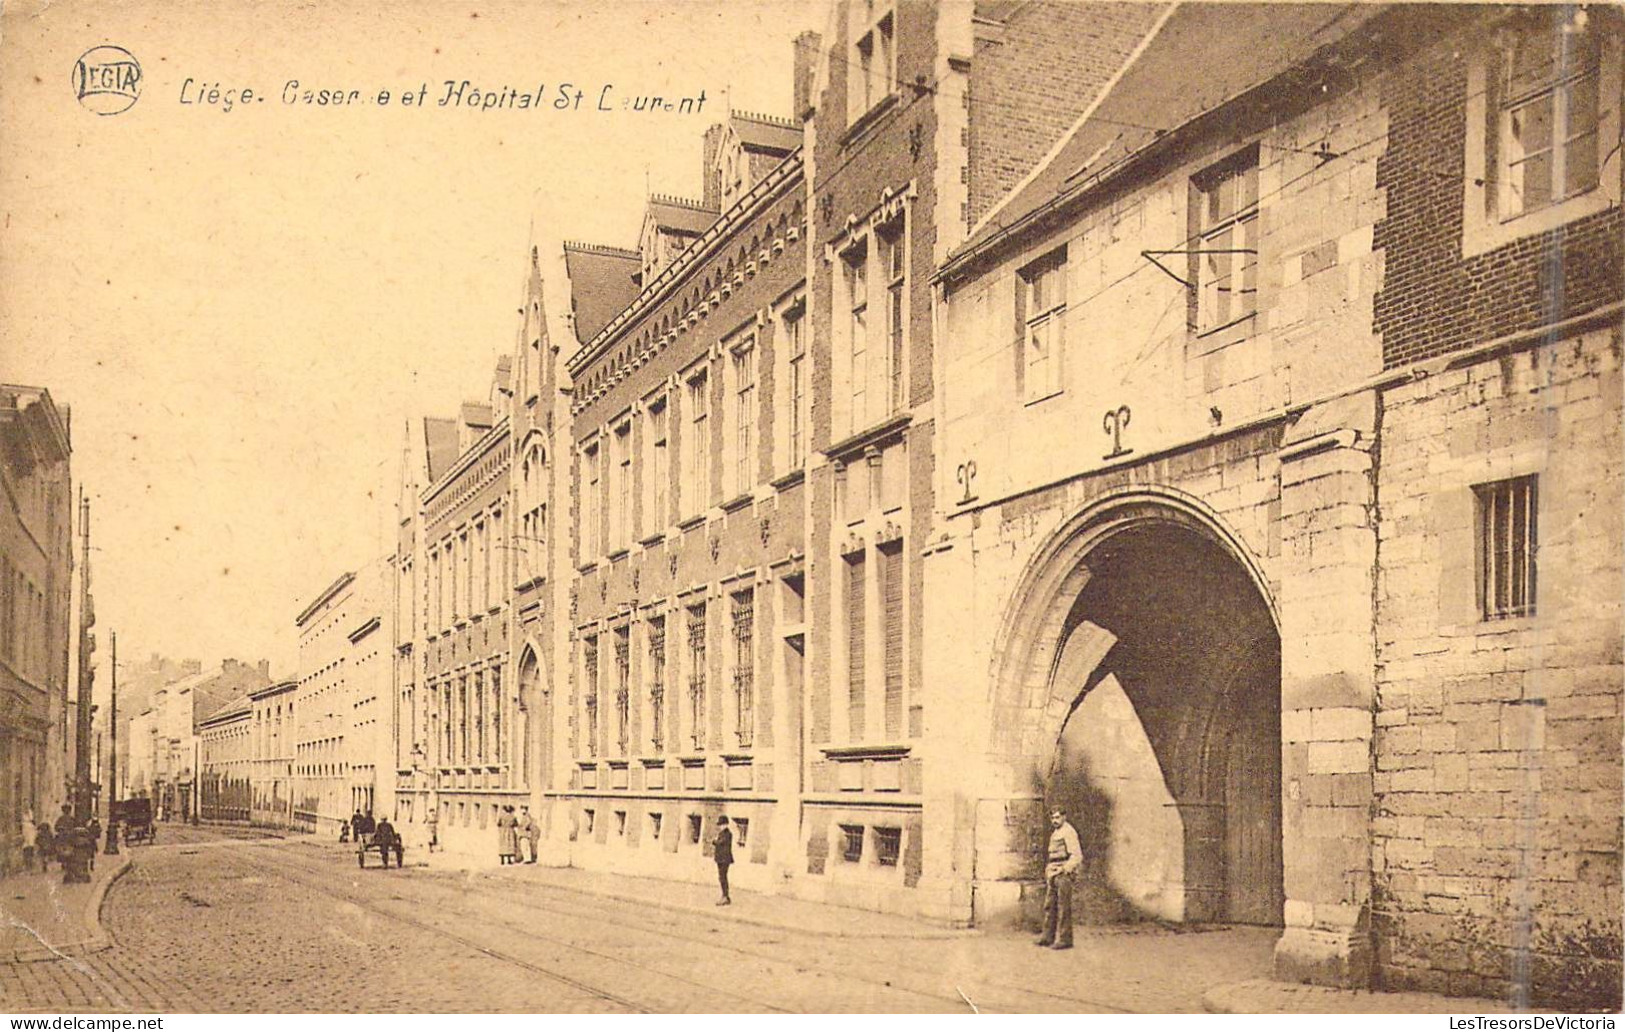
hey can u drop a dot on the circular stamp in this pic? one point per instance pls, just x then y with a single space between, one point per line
107 79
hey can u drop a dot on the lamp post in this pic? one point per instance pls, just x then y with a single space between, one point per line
111 848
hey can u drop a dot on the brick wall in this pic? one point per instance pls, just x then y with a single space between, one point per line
1433 299
1032 76
1496 828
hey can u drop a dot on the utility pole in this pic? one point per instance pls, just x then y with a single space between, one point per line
87 645
111 849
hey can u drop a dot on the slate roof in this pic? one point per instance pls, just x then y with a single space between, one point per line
680 215
601 284
440 444
766 133
1176 79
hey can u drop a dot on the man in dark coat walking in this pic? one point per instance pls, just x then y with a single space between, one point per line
723 848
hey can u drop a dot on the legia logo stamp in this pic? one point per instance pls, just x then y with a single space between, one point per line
107 79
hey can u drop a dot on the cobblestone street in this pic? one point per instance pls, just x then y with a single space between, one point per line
207 923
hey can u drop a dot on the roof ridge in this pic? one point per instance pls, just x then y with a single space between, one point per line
778 120
679 202
605 249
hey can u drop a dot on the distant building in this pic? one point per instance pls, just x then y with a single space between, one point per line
165 747
36 573
272 736
226 757
342 700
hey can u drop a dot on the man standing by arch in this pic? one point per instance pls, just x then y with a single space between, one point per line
1065 857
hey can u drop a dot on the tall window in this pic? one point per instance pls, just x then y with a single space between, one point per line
497 582
466 581
856 645
621 497
483 595
657 684
697 471
589 688
890 238
656 510
870 68
1548 115
1041 308
589 504
855 266
500 754
622 641
462 720
1225 262
744 667
742 362
696 675
480 753
890 570
1507 544
795 346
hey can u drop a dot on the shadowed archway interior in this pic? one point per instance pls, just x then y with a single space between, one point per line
1170 761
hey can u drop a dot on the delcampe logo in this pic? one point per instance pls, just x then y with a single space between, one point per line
107 79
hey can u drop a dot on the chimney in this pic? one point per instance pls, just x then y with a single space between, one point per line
712 175
265 669
807 46
191 667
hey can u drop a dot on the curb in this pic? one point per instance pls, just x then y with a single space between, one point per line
1262 996
99 938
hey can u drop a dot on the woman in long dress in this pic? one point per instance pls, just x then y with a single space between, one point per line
507 835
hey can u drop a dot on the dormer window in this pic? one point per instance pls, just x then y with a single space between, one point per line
872 66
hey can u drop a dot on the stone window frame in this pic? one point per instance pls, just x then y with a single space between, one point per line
1208 233
863 245
1034 314
873 30
1521 496
1456 524
1483 228
792 446
888 845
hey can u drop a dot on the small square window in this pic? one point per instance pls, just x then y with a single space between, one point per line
741 830
852 843
888 845
695 826
1508 512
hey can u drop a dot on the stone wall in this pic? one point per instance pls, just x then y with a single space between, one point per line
1496 828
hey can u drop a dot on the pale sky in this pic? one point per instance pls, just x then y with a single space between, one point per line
242 308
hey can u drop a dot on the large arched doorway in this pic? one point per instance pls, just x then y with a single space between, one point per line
1142 648
535 723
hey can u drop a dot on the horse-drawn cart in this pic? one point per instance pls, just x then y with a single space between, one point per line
384 841
136 817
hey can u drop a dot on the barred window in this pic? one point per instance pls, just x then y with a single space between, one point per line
590 690
852 843
1507 545
657 686
888 845
857 656
496 713
744 667
696 675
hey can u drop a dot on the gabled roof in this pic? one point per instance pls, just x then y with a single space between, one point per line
680 215
234 707
601 283
439 444
1176 77
778 136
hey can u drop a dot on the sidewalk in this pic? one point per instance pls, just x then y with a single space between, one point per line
1262 996
43 919
749 908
